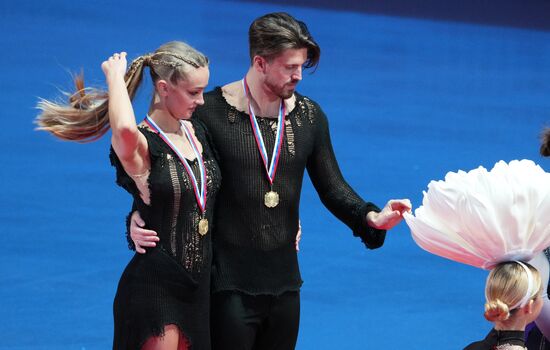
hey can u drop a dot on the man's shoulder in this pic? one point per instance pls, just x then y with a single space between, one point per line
223 94
236 85
215 110
300 96
307 100
308 105
212 103
213 100
212 93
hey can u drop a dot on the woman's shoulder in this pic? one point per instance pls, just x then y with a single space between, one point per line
154 142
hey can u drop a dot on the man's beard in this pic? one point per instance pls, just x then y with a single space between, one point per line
283 92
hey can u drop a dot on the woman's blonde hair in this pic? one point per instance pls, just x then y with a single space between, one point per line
510 285
84 117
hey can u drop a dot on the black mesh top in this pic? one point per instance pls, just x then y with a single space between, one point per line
254 249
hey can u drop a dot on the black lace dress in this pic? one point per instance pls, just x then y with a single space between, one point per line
170 284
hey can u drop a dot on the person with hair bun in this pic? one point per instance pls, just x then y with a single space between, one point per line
495 220
167 165
514 299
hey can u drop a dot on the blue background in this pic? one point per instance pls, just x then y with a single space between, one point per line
412 90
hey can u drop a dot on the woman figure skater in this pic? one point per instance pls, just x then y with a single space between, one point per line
514 299
167 165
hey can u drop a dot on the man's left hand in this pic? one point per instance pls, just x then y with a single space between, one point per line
391 214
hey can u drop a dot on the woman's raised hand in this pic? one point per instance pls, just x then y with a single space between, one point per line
115 66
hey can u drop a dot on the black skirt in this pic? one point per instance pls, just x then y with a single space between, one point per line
155 291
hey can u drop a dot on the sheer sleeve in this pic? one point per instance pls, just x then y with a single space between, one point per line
334 191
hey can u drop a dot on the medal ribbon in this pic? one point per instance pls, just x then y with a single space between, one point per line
200 195
270 168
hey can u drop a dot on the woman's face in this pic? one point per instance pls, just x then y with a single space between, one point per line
182 98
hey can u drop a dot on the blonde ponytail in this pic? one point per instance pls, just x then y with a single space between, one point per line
84 117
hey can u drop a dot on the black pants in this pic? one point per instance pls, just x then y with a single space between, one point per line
264 322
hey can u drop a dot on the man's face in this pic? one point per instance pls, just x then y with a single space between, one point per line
283 72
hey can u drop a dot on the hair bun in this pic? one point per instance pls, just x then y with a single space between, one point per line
496 310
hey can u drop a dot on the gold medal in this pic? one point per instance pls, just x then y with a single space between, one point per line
271 199
203 226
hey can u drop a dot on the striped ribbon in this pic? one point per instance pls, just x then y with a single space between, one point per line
270 168
200 194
